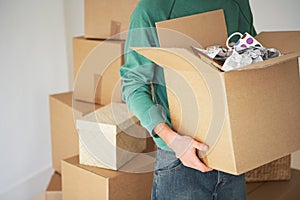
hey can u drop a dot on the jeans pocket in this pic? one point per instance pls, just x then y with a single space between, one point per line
169 168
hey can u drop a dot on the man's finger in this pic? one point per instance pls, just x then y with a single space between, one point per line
200 146
201 166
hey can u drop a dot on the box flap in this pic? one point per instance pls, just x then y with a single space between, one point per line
206 28
285 41
176 58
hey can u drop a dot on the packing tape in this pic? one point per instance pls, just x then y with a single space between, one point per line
115 28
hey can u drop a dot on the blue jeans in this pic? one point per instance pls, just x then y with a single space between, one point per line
173 181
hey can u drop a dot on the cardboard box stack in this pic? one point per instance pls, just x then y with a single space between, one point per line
80 173
80 163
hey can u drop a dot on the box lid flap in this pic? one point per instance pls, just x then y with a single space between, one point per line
207 29
285 41
179 59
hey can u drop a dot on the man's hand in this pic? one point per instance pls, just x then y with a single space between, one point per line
185 147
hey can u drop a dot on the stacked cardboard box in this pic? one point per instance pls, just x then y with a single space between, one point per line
54 191
96 70
63 114
96 64
107 18
94 183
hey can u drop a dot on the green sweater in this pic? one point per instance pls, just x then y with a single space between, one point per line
139 74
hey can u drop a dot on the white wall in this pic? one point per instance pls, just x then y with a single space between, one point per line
36 60
74 24
33 61
276 14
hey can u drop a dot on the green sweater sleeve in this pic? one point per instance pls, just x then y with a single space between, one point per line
137 73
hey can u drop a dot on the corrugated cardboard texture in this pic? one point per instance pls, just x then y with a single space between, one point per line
96 67
64 136
54 189
80 182
105 18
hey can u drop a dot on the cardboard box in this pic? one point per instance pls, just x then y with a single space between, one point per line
106 18
96 70
81 49
81 182
249 116
275 190
110 137
54 191
64 136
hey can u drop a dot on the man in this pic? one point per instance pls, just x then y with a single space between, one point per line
179 173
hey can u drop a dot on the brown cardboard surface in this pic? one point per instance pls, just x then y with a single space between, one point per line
286 41
244 115
80 182
81 49
96 70
64 136
276 190
54 191
105 18
210 35
266 112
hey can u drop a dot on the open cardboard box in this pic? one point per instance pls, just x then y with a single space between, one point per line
249 116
